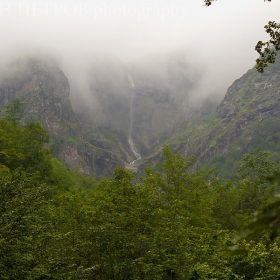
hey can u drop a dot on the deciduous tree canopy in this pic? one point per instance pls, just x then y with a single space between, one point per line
169 224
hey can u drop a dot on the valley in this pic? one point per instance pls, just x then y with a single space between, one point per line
131 111
140 140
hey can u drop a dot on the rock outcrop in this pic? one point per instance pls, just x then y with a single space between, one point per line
247 118
44 89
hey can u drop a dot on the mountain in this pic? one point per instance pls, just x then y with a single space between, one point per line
142 102
148 102
44 89
157 104
247 118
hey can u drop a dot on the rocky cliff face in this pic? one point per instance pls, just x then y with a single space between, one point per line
44 89
161 104
247 118
160 98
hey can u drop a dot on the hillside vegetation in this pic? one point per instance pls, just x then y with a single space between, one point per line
169 224
248 118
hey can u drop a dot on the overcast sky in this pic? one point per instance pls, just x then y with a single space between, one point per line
219 38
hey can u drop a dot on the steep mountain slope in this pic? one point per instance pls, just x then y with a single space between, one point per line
44 89
158 102
143 102
248 118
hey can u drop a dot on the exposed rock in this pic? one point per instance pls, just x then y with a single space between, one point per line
45 91
247 118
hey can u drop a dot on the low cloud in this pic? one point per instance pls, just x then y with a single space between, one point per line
218 40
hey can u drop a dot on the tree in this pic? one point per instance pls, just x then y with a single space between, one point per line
266 50
266 218
24 225
256 166
23 146
14 110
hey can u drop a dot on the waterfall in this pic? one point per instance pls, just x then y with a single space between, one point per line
130 141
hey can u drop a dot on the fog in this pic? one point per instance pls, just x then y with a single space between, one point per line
217 41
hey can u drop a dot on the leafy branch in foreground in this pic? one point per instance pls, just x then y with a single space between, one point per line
208 2
266 218
266 50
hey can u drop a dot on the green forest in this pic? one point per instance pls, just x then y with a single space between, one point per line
168 224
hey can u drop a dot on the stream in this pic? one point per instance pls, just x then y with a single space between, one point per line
130 140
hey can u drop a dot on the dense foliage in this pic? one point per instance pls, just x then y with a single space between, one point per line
168 224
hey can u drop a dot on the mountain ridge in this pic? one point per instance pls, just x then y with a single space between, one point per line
247 118
250 106
44 89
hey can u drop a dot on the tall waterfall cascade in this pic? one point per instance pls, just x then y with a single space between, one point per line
130 140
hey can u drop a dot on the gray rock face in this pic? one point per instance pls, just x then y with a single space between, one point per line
160 94
250 106
45 91
247 118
